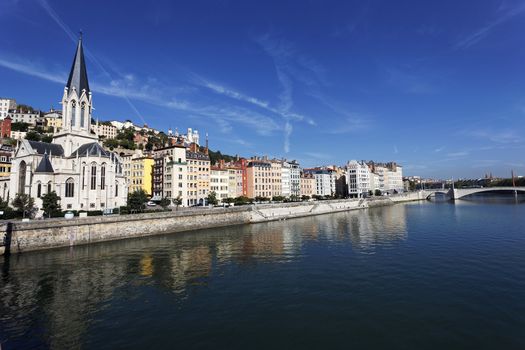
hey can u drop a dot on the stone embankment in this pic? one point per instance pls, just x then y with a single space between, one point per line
53 233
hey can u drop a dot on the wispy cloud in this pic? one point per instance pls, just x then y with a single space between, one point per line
504 15
408 82
291 68
459 154
437 150
503 136
350 124
29 68
223 114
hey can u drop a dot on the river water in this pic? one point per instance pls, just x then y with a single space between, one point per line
414 276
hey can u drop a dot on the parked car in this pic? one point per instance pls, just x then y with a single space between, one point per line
151 204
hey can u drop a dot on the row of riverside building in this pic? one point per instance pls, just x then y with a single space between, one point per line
88 176
187 174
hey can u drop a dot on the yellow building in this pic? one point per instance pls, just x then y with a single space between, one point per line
141 175
55 123
6 152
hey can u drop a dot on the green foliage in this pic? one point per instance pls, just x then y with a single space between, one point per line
19 126
137 200
217 155
164 202
50 204
33 136
212 198
9 213
242 200
377 192
46 138
317 197
177 201
277 198
111 143
294 198
228 200
305 197
24 204
261 199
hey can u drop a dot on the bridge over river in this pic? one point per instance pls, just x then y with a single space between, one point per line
458 193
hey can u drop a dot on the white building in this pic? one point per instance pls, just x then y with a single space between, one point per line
33 118
107 131
285 179
358 178
291 178
219 182
390 177
170 174
6 104
295 179
74 165
324 181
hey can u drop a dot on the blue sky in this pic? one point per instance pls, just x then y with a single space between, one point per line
437 86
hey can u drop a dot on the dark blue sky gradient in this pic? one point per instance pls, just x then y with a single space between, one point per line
437 86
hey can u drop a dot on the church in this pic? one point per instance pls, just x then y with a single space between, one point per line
74 165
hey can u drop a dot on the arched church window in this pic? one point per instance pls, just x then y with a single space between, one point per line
103 176
93 176
39 190
83 175
73 112
70 187
49 187
5 190
82 114
22 177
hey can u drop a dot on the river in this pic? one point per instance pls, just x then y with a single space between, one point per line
409 276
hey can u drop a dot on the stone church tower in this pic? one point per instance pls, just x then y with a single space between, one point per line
76 107
85 176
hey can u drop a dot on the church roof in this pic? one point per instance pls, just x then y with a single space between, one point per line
47 148
45 165
91 149
78 75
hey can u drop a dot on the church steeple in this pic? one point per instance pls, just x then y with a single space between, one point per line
78 76
76 107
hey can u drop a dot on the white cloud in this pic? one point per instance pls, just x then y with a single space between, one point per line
484 31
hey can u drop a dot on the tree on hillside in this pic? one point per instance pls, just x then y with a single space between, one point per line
19 126
137 200
33 136
24 204
50 204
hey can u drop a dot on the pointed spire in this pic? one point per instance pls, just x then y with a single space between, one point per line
78 76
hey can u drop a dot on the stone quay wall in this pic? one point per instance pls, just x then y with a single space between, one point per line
54 233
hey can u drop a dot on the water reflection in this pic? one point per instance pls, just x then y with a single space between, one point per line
53 297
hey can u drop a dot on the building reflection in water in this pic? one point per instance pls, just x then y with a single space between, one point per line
66 288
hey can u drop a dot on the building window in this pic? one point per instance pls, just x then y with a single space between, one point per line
93 176
83 176
39 190
82 114
116 189
22 177
69 206
103 176
70 187
73 112
49 187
